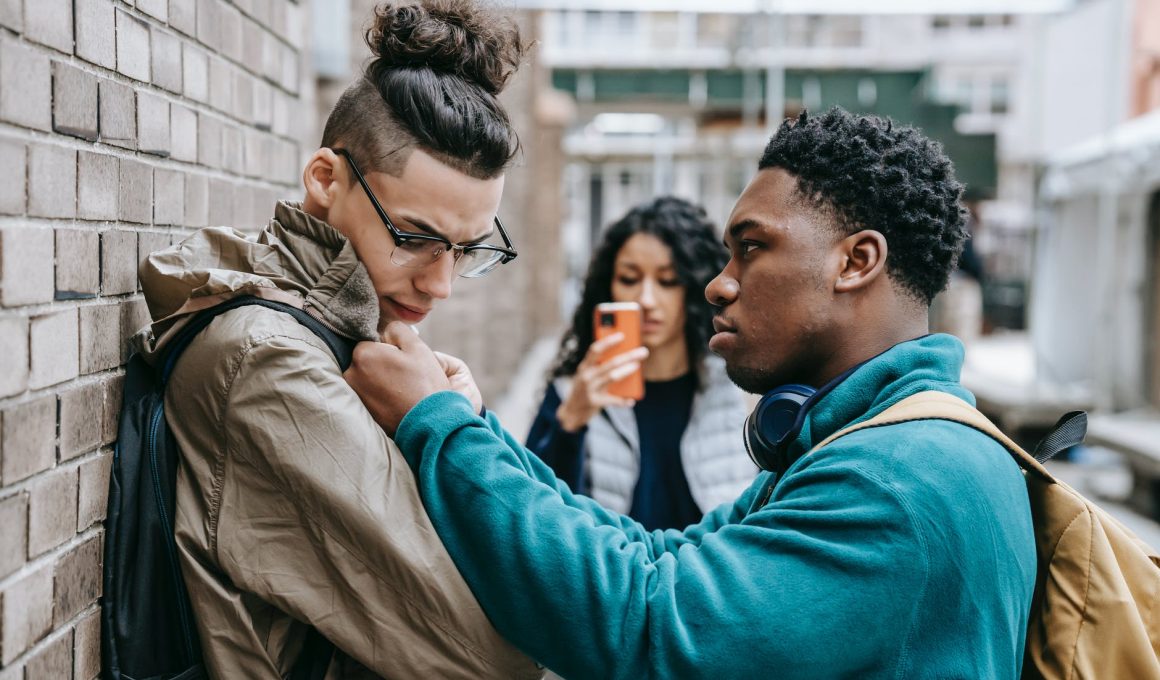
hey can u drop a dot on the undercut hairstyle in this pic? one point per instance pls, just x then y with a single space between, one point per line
865 172
698 256
433 83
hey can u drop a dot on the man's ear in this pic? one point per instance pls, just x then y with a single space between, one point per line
863 260
322 177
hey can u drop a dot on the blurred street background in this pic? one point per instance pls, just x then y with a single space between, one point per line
127 124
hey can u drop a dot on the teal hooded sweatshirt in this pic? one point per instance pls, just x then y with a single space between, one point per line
896 552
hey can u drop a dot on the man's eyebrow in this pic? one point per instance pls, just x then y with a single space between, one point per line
737 228
426 228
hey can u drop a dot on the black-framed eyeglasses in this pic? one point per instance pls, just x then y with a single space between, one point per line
419 250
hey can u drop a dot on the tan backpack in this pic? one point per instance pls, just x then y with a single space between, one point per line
1096 608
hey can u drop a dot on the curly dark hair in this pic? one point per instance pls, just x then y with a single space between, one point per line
698 256
865 172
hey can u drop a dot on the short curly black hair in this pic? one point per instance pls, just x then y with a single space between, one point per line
866 172
698 256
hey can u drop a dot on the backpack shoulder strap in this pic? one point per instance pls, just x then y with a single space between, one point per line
342 348
934 405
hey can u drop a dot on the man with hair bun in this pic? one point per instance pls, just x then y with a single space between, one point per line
296 515
893 552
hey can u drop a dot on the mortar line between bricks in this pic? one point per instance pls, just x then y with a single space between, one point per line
25 486
55 635
50 557
30 396
55 139
150 22
174 97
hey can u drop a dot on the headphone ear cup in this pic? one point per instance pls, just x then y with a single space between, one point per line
773 423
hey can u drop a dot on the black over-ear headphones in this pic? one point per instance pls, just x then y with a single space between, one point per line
774 424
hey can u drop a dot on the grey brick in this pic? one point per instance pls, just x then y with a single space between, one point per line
28 73
82 414
259 9
87 647
233 149
97 179
132 46
231 32
14 349
257 153
277 19
12 189
195 70
271 68
183 16
12 14
93 490
55 660
50 22
97 32
74 101
27 613
136 192
115 385
166 60
295 25
152 124
28 439
243 95
252 44
221 83
26 272
53 340
76 583
52 510
247 6
78 263
208 20
168 197
149 242
282 104
52 181
263 109
196 201
182 133
158 9
221 203
101 347
118 114
289 59
209 141
13 532
119 259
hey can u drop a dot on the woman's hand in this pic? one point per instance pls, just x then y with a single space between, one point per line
590 383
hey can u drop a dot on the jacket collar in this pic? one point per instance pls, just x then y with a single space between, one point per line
339 288
932 362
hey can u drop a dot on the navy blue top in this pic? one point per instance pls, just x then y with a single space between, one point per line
661 499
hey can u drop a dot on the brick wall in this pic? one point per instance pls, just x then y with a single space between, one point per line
123 126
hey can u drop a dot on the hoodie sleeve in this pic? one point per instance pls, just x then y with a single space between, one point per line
766 592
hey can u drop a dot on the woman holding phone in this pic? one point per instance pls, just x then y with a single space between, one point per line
678 452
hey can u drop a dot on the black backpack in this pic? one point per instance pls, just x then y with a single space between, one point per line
147 630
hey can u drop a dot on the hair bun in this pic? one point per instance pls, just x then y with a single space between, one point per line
456 37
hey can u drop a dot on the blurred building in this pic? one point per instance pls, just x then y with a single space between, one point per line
491 322
1096 318
680 97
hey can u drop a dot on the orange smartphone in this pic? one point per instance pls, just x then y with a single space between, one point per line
621 317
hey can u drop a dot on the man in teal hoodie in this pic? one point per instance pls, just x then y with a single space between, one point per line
895 552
